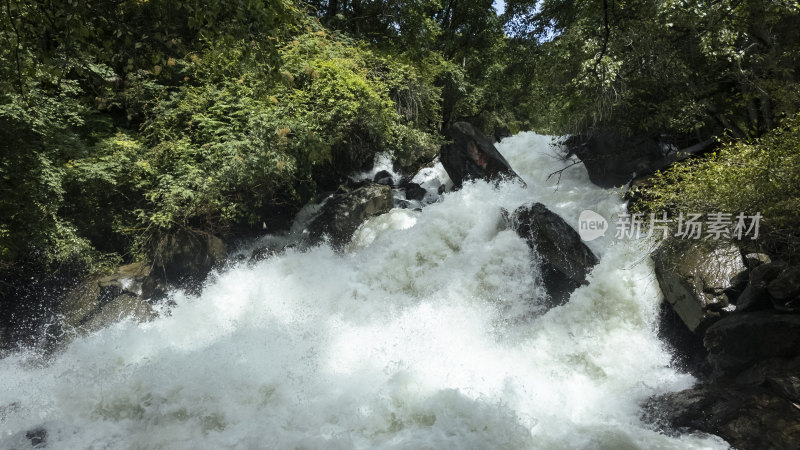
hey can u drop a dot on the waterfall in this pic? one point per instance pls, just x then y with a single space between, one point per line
429 331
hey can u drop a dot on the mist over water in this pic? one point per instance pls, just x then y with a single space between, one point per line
428 332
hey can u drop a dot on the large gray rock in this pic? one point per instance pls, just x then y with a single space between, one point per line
472 155
100 301
696 282
747 417
566 260
346 210
741 340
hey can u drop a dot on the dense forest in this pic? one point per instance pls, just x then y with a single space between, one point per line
123 122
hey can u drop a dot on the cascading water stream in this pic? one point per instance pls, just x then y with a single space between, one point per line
428 332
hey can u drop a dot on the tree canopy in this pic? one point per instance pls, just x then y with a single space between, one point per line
123 121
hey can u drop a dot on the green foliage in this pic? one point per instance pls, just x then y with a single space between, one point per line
123 124
760 175
683 68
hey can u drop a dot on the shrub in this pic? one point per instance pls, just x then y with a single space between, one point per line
758 175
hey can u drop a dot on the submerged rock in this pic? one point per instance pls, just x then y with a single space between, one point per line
697 283
345 211
566 260
472 155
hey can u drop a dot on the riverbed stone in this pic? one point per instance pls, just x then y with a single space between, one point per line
756 296
414 191
697 281
747 417
472 156
741 340
785 290
384 177
188 254
102 300
753 260
345 211
566 260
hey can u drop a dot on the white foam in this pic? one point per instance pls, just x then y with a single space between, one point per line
427 333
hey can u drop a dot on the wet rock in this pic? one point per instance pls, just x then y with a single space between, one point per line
472 155
741 340
785 290
501 133
262 253
154 287
779 375
753 260
566 260
33 438
384 177
686 348
747 417
415 192
755 296
100 301
612 159
37 437
345 211
696 281
188 254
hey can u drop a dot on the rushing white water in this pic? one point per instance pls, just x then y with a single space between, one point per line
425 333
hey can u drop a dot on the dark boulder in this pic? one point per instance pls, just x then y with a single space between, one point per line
612 159
779 375
472 155
384 177
747 417
345 211
566 260
756 296
696 281
753 260
100 301
686 348
741 340
188 254
501 133
785 290
415 191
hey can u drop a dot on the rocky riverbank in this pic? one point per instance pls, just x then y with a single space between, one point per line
740 315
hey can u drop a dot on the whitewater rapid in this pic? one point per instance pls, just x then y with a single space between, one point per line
427 333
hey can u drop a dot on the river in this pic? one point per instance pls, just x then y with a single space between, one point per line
428 332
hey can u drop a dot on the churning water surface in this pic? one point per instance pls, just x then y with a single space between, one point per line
427 333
